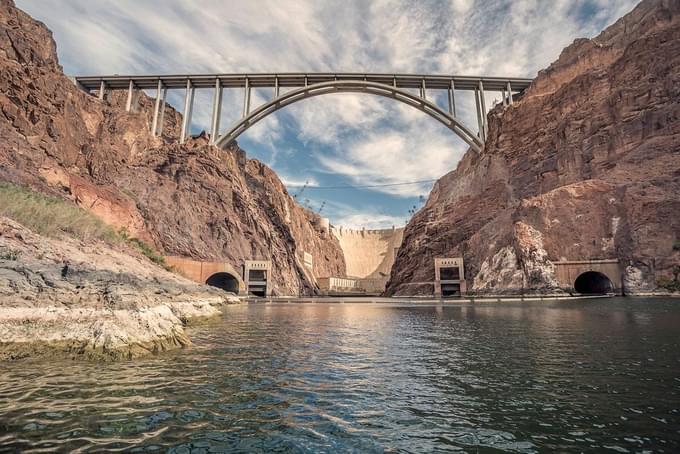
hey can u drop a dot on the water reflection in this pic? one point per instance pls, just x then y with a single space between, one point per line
515 377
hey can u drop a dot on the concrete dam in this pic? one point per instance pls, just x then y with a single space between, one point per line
369 256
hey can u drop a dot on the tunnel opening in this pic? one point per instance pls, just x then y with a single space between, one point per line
225 281
449 290
258 290
593 283
449 273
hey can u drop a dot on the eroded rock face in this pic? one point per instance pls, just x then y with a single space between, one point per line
586 165
88 299
189 200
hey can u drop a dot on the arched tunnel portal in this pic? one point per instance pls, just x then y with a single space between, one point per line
593 282
225 281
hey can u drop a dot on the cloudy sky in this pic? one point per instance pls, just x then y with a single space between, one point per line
339 140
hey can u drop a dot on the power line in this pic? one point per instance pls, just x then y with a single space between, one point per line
308 188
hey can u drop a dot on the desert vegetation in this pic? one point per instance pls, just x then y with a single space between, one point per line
55 217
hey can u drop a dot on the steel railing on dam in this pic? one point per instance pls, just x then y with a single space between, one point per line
306 85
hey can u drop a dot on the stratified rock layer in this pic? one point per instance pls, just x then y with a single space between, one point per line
585 166
190 200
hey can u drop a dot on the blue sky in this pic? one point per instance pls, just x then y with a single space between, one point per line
338 139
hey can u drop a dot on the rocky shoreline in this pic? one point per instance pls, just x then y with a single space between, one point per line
90 300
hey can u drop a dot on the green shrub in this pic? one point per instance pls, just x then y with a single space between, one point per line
10 254
676 245
149 251
671 285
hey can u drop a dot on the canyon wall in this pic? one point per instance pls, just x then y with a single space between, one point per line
586 165
190 200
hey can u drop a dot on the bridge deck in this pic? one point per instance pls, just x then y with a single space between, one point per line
299 79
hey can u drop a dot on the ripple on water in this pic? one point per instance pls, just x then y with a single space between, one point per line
371 378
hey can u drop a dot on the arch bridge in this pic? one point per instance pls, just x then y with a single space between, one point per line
301 86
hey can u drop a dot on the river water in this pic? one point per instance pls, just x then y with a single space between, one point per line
587 376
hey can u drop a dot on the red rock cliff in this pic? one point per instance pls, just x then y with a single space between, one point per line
585 166
191 200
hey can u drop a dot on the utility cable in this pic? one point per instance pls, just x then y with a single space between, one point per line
308 188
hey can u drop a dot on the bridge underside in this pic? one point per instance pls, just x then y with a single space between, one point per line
351 86
307 85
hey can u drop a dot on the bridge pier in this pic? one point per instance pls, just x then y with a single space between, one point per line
188 108
159 129
159 110
128 104
509 93
246 99
480 122
483 106
156 108
102 90
452 99
216 112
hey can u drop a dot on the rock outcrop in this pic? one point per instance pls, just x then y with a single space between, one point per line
190 200
89 299
586 165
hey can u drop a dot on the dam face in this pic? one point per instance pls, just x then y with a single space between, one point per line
369 255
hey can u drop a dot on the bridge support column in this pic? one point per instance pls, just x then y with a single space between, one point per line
452 99
509 93
216 112
156 108
504 99
188 108
423 92
276 87
482 102
480 122
102 90
128 104
159 129
246 99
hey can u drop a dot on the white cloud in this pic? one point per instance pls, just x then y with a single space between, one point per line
381 155
297 183
370 220
372 140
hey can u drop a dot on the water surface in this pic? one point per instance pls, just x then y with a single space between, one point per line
591 375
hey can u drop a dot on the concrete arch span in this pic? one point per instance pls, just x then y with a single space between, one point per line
351 86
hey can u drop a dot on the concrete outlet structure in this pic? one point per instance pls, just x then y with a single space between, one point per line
257 277
449 277
217 274
590 276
